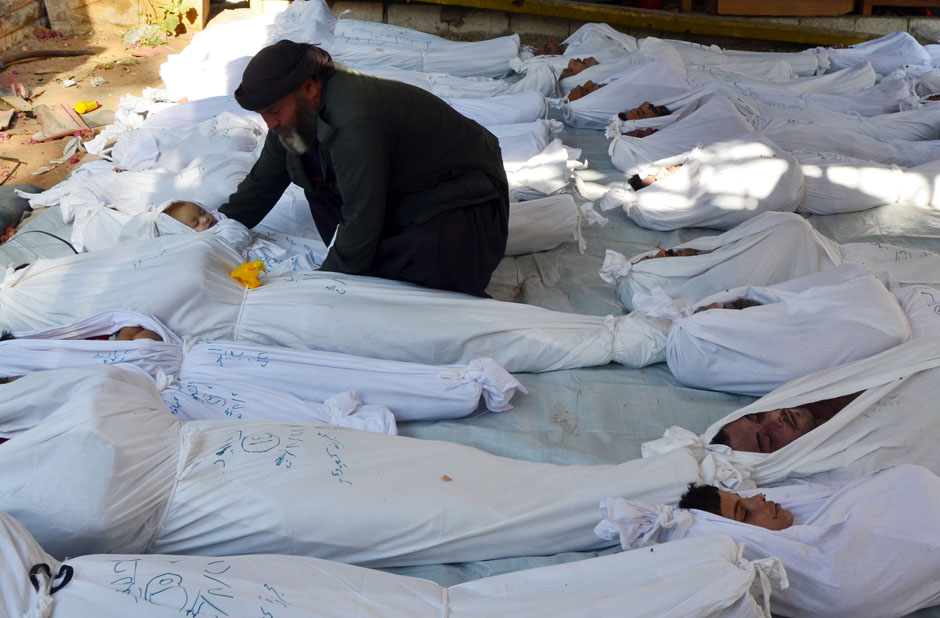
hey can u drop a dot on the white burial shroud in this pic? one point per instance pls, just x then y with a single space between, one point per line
649 81
886 54
892 422
707 120
205 380
768 249
711 572
184 282
869 547
96 464
803 325
836 184
694 54
366 43
534 225
719 186
279 253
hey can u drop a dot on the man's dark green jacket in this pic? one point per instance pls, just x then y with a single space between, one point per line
391 155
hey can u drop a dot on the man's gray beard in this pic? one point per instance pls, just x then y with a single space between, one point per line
294 139
293 142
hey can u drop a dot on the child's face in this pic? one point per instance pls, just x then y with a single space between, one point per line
192 215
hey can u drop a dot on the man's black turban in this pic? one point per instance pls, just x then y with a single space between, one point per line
278 70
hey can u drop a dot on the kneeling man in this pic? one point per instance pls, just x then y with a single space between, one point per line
405 186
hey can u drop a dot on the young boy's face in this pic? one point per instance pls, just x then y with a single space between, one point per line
192 215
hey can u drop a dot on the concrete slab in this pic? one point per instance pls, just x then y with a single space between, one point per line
466 21
925 29
539 25
836 23
881 25
426 18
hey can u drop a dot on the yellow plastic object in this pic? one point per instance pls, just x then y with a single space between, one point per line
247 274
83 107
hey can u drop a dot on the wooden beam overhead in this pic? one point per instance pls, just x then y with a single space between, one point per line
682 23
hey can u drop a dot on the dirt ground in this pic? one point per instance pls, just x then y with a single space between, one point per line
113 60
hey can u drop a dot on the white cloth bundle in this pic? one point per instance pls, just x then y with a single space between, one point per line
97 464
902 265
194 388
913 125
591 40
260 374
184 282
540 225
711 572
279 253
720 186
804 325
928 81
536 225
892 422
921 303
213 63
175 147
768 72
768 249
865 548
891 94
100 201
806 135
844 82
598 40
886 54
365 43
515 108
546 173
600 73
836 183
520 142
649 81
709 119
744 61
541 79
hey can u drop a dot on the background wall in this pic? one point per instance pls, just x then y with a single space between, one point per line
18 18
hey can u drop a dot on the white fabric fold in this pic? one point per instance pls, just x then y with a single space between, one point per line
223 379
716 582
133 478
640 525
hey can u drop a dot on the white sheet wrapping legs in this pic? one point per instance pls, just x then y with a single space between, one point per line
219 379
540 225
316 310
711 572
96 464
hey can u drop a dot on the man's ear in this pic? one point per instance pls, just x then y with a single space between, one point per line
311 91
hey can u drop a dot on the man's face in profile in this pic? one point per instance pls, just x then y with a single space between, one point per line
576 65
756 510
583 90
766 432
644 110
291 118
641 132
